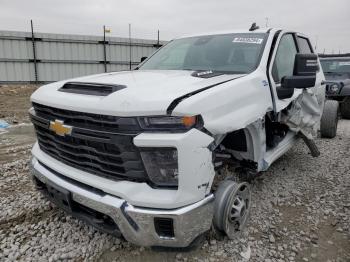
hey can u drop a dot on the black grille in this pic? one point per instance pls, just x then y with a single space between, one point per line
108 154
90 121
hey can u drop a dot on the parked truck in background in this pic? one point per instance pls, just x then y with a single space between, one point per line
136 153
337 72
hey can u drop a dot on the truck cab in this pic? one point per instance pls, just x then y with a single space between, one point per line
137 153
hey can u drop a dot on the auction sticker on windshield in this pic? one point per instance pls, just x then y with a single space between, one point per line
249 40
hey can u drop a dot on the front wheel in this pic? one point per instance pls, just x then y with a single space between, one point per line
329 119
231 207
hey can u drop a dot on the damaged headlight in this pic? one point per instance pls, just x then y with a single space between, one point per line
170 122
161 165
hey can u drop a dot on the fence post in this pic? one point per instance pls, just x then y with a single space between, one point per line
157 45
158 38
130 51
34 53
104 48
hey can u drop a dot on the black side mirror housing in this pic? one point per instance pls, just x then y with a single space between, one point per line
304 75
143 58
305 65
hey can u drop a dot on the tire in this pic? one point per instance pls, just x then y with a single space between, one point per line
221 196
345 108
329 119
231 208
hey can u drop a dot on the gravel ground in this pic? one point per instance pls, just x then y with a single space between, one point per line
301 212
14 102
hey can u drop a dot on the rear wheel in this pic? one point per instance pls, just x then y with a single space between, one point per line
345 108
329 120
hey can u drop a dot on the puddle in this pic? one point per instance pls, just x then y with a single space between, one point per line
23 132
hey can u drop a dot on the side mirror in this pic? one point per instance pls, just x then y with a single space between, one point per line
305 65
304 75
143 58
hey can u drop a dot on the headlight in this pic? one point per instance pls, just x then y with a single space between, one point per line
169 122
334 88
161 165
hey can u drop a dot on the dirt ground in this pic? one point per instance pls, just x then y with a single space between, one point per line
301 209
14 102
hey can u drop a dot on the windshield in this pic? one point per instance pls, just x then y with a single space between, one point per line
229 53
336 65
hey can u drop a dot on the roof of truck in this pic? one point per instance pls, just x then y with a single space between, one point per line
223 32
246 30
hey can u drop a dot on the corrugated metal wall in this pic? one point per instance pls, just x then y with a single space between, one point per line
60 56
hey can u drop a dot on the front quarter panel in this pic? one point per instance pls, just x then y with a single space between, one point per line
232 105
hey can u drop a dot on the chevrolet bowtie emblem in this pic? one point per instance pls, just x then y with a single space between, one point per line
59 128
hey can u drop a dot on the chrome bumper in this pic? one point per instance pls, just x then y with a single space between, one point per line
137 224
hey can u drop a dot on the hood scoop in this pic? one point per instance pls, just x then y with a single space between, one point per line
93 89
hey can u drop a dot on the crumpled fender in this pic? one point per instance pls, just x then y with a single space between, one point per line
305 113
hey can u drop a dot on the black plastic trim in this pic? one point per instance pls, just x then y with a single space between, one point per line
74 182
164 227
100 221
129 218
334 55
94 89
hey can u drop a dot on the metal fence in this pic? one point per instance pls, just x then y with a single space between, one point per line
45 57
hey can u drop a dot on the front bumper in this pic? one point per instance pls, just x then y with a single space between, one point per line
136 224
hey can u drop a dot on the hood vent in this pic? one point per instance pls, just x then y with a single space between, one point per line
93 89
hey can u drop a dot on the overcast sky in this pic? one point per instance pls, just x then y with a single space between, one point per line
328 22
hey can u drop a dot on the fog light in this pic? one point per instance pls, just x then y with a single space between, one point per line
161 165
164 227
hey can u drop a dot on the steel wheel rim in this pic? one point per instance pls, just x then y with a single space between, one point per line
238 209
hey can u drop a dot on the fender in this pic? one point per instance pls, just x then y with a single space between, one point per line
178 100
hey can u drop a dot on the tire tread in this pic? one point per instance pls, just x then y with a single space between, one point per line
329 120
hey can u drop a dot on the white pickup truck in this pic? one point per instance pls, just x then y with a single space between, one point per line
135 153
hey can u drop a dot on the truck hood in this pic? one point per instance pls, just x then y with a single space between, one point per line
147 92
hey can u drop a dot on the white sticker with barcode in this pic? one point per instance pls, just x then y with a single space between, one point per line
249 40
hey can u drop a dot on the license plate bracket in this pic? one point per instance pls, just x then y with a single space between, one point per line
59 196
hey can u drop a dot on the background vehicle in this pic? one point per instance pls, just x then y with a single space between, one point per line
135 153
337 73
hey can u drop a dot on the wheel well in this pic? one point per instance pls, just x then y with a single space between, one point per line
236 140
275 132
